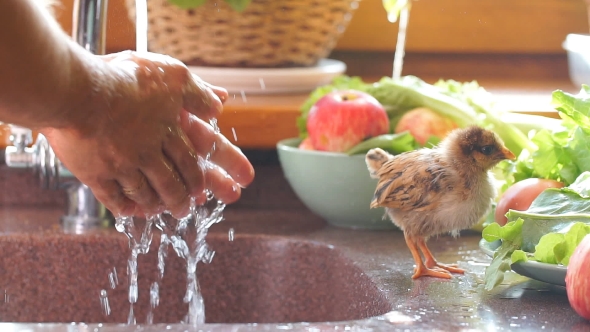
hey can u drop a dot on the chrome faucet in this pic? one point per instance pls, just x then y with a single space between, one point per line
83 211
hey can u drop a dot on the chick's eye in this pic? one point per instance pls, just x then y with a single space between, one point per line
487 150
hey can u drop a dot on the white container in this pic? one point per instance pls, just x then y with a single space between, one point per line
578 56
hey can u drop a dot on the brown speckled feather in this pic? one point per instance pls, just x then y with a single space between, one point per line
418 191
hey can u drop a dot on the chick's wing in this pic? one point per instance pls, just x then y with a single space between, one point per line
411 181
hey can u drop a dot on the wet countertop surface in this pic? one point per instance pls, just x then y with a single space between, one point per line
407 305
269 212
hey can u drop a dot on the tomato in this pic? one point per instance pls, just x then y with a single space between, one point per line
520 196
577 283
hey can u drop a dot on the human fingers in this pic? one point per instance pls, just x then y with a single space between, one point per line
136 187
109 193
223 187
167 182
179 150
201 99
223 153
221 93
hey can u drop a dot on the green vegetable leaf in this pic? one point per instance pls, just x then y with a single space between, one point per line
576 107
581 185
463 103
238 5
553 211
544 250
393 143
500 264
188 4
488 115
564 250
518 256
509 234
548 231
563 151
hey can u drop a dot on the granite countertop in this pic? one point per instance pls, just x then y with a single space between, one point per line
285 266
382 256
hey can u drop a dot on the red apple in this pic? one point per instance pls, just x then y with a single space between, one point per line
342 119
423 123
577 280
306 144
521 195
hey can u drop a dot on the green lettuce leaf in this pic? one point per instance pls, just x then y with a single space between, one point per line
510 235
563 152
463 103
548 231
554 211
392 143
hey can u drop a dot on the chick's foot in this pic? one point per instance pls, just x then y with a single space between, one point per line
431 263
423 271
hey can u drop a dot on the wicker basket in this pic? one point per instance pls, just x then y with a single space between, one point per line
269 33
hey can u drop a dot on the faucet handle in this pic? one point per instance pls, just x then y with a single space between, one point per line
20 137
19 155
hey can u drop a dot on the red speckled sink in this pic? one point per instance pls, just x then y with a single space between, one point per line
255 278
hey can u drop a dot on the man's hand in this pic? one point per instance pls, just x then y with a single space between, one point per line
142 141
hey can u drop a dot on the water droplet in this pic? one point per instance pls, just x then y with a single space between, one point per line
230 234
132 271
243 96
104 302
233 130
261 81
131 318
113 279
154 295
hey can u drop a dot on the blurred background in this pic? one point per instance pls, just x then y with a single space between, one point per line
460 39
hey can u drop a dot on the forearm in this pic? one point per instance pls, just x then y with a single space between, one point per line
43 73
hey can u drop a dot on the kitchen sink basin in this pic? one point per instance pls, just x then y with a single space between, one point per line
51 277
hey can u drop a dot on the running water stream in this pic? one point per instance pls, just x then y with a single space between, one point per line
186 236
400 47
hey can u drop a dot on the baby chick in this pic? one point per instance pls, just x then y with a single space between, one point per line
428 192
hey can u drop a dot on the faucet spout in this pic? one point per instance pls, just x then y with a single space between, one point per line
89 30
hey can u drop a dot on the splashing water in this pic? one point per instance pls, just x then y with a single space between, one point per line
113 279
186 236
154 301
230 234
104 302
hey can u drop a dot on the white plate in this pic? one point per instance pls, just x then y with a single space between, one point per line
272 80
549 273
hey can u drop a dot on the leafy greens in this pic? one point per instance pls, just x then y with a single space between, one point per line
563 152
558 219
463 103
548 232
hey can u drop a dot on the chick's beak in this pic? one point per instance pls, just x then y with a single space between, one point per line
508 154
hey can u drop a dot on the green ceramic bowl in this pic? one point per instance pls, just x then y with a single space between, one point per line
334 186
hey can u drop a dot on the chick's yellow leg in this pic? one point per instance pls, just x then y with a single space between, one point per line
431 263
421 269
